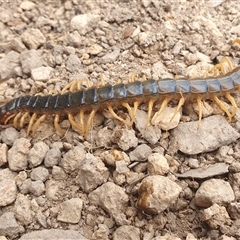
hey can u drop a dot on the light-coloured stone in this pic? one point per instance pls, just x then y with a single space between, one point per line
167 119
27 5
92 173
216 216
8 192
124 138
37 153
164 192
22 210
127 232
149 132
33 38
41 73
214 132
72 159
70 211
112 199
214 191
53 234
157 164
18 154
140 153
8 225
3 154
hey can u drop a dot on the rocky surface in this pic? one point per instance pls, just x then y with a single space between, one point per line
167 177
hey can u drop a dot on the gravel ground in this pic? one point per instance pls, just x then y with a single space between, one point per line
172 181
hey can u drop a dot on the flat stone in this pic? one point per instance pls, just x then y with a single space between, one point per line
110 57
70 211
213 133
201 173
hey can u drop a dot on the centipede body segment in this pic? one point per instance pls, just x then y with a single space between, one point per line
74 100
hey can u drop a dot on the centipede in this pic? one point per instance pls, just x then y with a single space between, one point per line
74 100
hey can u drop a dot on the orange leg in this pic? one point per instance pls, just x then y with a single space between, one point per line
57 126
37 123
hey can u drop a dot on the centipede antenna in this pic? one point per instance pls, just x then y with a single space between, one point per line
89 121
37 123
22 120
150 108
180 104
57 126
74 124
130 112
9 118
110 109
199 103
223 107
15 120
163 105
232 101
33 118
